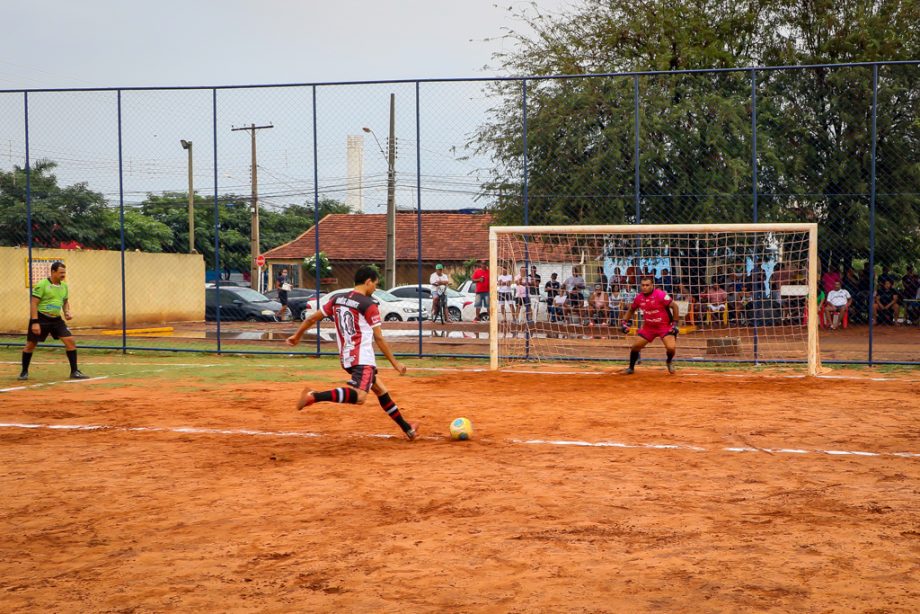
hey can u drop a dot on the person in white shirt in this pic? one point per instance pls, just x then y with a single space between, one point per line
523 283
440 281
836 303
505 292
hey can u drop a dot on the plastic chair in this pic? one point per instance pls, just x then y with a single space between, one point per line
709 315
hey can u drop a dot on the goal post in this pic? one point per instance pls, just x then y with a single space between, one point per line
746 293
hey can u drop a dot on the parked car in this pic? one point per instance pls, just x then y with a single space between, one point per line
297 300
238 303
392 308
459 306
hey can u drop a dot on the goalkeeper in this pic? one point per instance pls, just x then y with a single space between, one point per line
660 320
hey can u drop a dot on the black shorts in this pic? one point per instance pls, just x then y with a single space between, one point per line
282 297
50 326
362 377
522 300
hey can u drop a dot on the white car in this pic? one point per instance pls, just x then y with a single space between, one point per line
459 306
392 308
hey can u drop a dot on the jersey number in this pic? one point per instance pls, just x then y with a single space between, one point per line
346 322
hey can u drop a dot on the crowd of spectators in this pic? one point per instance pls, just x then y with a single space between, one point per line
763 296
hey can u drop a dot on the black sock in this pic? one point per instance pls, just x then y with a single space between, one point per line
670 354
72 358
337 395
26 359
392 410
633 357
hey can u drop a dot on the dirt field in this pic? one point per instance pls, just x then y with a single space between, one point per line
206 491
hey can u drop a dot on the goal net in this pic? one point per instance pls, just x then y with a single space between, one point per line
745 292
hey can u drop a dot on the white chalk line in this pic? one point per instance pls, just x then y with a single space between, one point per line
191 430
93 379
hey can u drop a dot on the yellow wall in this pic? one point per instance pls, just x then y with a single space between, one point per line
158 287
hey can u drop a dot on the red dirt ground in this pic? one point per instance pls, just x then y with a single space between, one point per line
143 521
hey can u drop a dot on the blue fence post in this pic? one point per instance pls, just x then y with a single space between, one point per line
418 200
526 212
216 212
316 270
754 193
872 212
121 224
636 146
28 191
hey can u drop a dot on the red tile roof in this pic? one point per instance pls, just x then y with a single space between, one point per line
445 236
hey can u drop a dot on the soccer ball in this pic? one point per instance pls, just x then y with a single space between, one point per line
461 429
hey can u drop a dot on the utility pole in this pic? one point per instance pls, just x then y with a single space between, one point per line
254 235
187 145
391 198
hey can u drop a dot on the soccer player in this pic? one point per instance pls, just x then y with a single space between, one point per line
357 325
660 321
49 302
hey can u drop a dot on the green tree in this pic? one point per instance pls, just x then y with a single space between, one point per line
695 129
59 214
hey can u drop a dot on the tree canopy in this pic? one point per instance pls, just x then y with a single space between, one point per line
75 216
695 130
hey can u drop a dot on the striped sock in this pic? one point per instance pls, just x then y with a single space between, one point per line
392 410
337 395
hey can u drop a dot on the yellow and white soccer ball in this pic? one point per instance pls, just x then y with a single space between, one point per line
461 429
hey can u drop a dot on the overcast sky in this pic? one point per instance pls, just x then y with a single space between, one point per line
113 43
121 43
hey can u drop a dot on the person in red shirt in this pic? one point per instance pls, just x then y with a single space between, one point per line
660 320
481 277
357 327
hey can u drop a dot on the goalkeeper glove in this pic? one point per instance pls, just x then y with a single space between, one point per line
624 327
675 330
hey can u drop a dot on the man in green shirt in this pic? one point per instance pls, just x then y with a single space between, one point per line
49 302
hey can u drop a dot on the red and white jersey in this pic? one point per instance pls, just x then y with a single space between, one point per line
355 317
654 306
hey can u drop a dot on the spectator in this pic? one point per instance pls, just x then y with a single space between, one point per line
557 306
886 303
439 281
835 305
505 293
618 278
665 282
599 305
574 285
602 278
552 287
481 277
283 286
535 280
614 300
910 283
715 298
830 278
887 275
782 276
851 281
523 285
632 275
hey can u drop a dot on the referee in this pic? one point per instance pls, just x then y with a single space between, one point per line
49 301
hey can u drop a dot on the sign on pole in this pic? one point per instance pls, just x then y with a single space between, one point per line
260 260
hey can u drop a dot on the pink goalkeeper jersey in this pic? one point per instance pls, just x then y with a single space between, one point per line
654 306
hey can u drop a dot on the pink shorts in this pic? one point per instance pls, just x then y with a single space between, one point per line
650 332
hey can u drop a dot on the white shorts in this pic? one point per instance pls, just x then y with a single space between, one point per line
716 308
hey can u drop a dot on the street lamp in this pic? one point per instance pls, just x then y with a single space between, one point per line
187 145
390 265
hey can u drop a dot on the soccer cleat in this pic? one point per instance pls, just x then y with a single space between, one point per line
76 374
671 369
306 398
23 376
627 371
412 433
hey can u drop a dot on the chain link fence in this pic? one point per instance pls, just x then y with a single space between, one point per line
102 179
